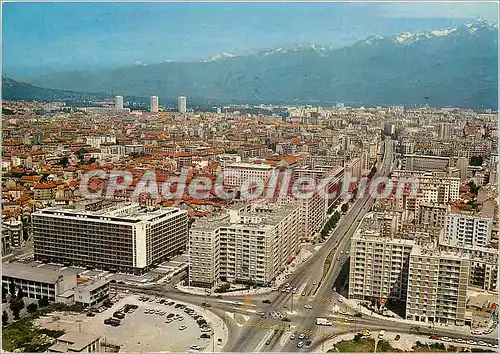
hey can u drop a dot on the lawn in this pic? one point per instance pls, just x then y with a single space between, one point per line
23 334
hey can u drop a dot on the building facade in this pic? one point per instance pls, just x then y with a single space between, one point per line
126 237
437 286
467 230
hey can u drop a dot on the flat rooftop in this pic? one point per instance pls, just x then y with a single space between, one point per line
128 212
32 273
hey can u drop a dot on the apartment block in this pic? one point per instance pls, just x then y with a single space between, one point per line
379 266
235 174
124 237
433 187
255 241
204 251
432 215
437 286
92 292
462 229
483 265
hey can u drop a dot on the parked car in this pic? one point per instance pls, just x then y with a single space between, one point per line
300 344
292 336
266 301
307 306
205 336
398 337
308 343
181 328
206 304
301 336
90 314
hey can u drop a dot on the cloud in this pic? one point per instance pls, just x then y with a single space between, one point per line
444 10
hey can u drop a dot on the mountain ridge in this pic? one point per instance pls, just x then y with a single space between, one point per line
450 67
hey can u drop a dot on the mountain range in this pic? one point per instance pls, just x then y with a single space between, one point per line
448 67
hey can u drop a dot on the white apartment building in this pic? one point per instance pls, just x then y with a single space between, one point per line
92 292
123 237
119 102
182 104
153 105
483 265
461 229
432 187
378 266
255 241
235 174
204 251
437 286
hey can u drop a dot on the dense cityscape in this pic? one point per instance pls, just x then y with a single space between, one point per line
160 227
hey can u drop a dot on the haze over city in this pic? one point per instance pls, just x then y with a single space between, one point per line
250 177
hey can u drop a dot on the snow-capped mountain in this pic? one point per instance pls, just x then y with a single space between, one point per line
452 66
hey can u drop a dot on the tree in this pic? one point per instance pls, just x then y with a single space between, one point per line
43 302
336 216
63 162
32 307
16 305
20 293
5 318
12 288
344 208
4 293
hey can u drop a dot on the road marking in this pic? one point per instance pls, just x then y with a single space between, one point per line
245 317
263 341
284 338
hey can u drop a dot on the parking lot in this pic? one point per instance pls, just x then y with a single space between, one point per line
152 327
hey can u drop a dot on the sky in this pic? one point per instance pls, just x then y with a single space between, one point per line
40 38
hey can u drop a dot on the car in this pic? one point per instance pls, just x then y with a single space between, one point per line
301 336
484 344
292 336
340 300
285 319
445 339
304 294
266 301
181 328
219 296
170 315
471 342
398 337
307 306
349 319
338 258
205 336
90 314
283 290
206 304
306 337
169 320
300 344
268 341
287 285
180 318
308 343
314 282
341 252
287 290
194 347
434 337
206 329
261 313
